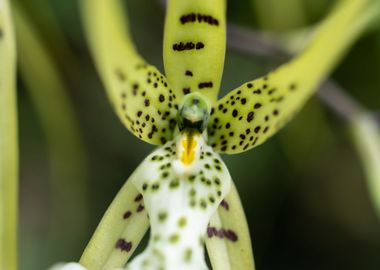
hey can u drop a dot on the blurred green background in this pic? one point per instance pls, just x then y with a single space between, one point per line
304 190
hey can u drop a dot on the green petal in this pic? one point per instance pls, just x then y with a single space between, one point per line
119 232
139 93
194 46
180 199
250 114
228 242
8 142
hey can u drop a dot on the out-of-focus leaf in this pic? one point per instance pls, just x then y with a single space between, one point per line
56 113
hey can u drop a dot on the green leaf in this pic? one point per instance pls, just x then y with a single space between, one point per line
119 232
139 93
8 142
228 242
253 112
194 46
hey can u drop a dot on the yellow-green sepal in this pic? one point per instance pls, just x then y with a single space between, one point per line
253 112
139 93
228 242
119 232
194 46
8 141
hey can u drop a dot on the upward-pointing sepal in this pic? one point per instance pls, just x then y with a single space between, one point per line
194 46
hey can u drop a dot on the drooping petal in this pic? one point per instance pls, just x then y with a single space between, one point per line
119 232
182 183
139 93
250 114
194 46
228 242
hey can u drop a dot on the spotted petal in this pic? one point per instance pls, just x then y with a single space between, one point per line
139 93
119 232
228 241
180 195
250 114
194 46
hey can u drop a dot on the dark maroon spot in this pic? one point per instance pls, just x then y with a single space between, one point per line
234 113
205 85
127 214
250 116
138 197
257 105
201 18
186 91
225 205
189 73
199 45
140 208
123 245
184 46
146 102
161 98
210 232
230 235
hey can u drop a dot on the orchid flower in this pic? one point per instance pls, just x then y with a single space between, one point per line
183 189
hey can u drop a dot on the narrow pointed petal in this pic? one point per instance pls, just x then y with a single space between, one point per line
250 114
181 195
8 141
228 242
139 93
119 232
194 46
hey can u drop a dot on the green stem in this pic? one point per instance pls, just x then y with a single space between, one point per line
8 142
